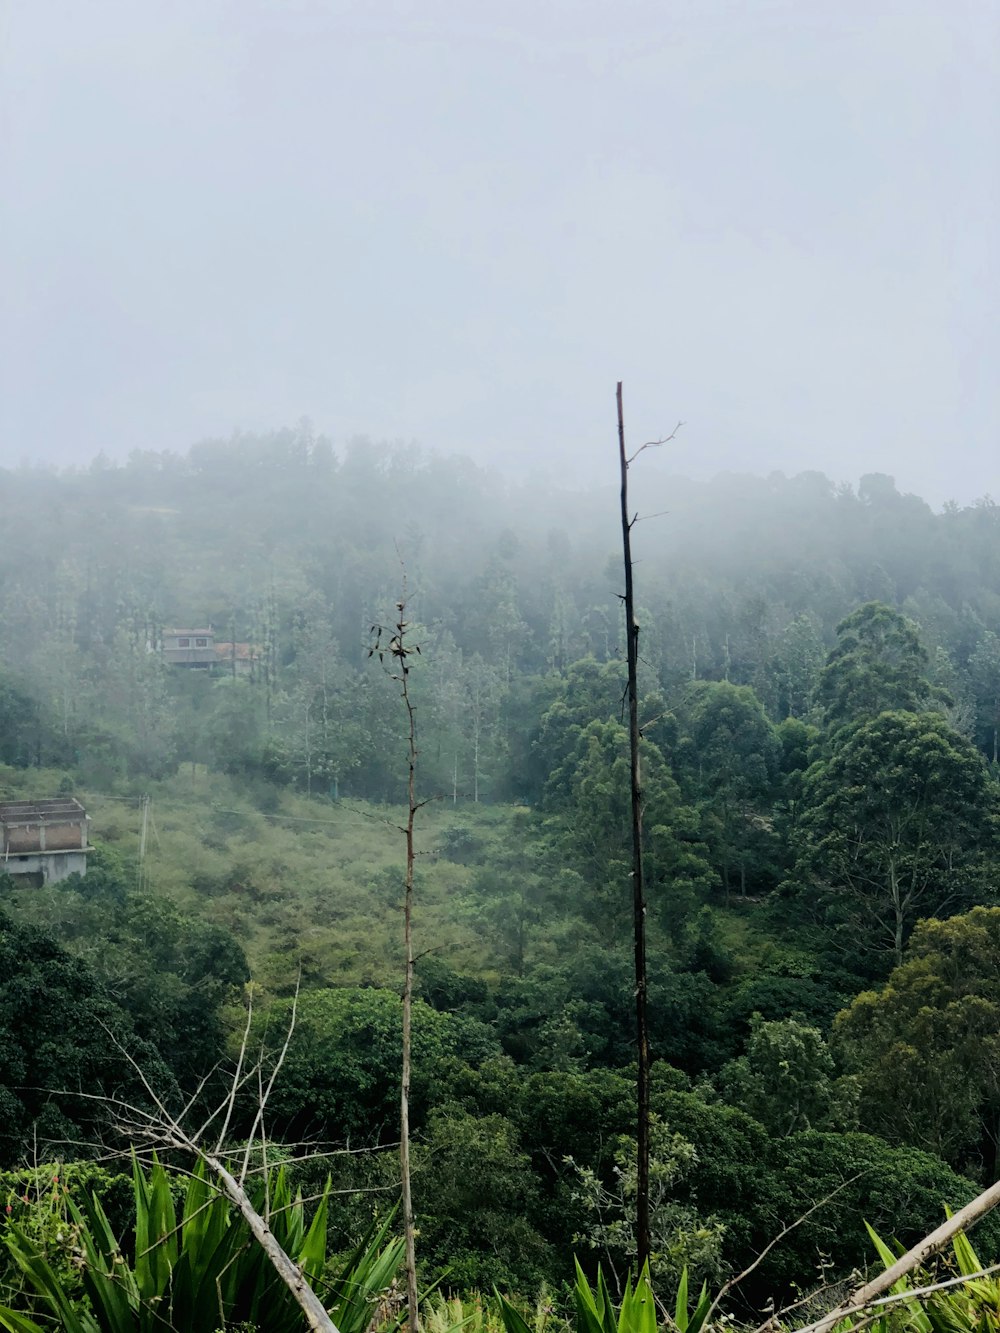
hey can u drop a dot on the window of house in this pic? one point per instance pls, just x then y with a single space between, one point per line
183 643
201 643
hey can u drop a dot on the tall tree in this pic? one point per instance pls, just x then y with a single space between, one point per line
984 670
925 1048
796 664
897 822
878 665
734 753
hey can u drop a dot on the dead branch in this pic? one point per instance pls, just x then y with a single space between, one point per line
734 1282
164 1128
237 1076
266 1092
289 1272
863 1298
654 444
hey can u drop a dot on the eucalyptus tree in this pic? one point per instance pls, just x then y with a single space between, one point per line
897 823
925 1047
877 665
732 754
984 670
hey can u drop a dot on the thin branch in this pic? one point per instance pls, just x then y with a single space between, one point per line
167 1129
654 444
262 1102
235 1083
734 1282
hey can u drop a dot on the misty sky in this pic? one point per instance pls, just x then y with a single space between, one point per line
459 223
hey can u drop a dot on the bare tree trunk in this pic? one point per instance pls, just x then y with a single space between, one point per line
404 1103
308 738
642 1232
897 905
312 1307
165 1130
399 653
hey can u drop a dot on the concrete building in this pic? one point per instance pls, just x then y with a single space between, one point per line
189 648
46 838
198 649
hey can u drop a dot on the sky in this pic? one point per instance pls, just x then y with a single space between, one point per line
460 222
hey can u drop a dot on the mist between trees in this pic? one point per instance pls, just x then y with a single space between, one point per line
819 684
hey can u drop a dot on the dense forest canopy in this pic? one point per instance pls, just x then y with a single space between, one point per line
820 671
278 541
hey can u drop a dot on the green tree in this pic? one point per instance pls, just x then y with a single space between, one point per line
897 823
485 685
591 691
174 973
926 1046
317 738
136 703
235 727
901 1192
63 1040
796 664
733 754
590 791
21 728
484 1207
984 671
341 1075
787 1079
877 666
606 1210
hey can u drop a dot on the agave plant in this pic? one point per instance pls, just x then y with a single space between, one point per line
199 1273
969 1302
595 1308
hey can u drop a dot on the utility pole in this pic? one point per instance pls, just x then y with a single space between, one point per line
142 844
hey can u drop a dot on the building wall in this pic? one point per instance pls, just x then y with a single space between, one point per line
51 866
43 836
191 648
193 657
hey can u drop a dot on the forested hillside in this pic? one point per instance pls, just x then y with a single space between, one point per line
820 674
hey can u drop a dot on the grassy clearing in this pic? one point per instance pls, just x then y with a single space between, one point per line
315 884
302 881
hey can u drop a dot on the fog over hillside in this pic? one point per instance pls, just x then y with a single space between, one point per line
461 226
574 860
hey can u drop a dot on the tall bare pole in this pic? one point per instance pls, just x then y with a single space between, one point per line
638 886
399 651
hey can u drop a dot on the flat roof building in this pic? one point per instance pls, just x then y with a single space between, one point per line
46 838
189 647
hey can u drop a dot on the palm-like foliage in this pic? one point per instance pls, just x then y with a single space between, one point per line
201 1272
596 1313
967 1302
